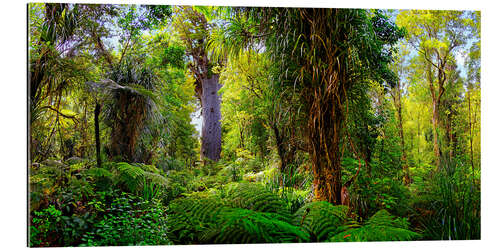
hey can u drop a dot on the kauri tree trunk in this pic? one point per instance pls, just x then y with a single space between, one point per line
211 116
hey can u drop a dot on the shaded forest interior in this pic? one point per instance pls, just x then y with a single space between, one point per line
159 125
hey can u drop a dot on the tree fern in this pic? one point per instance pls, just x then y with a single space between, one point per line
136 177
210 220
247 226
257 198
382 226
190 217
98 172
320 219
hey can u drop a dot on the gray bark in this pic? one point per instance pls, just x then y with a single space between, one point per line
211 116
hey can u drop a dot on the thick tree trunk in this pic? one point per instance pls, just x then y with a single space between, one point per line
324 136
97 111
211 116
127 127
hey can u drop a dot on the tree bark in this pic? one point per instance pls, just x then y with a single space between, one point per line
211 116
286 150
435 124
324 137
470 136
396 97
127 126
404 158
97 111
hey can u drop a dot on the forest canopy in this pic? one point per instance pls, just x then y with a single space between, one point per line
158 125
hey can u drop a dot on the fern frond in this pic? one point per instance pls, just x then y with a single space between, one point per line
321 219
257 198
247 226
148 168
156 178
98 172
382 226
191 217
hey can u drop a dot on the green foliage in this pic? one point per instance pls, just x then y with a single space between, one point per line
382 226
257 198
292 81
370 194
320 219
190 217
212 219
129 221
141 177
248 226
449 207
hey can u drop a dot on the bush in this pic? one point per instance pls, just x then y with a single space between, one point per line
449 206
129 220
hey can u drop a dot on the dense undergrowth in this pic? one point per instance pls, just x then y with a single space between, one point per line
317 125
136 204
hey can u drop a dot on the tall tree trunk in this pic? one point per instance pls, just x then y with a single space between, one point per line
324 137
404 158
127 126
286 150
435 124
399 111
97 111
449 132
470 136
211 116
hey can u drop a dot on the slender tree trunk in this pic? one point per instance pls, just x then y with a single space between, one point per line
404 158
470 136
399 108
435 124
97 111
449 132
286 151
211 116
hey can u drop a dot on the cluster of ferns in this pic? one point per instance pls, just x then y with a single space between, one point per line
248 213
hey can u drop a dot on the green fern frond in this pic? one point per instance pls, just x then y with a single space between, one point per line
321 219
207 218
136 176
148 168
382 226
257 198
98 172
156 179
247 226
192 216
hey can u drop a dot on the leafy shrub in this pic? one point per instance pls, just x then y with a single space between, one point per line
129 220
50 227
